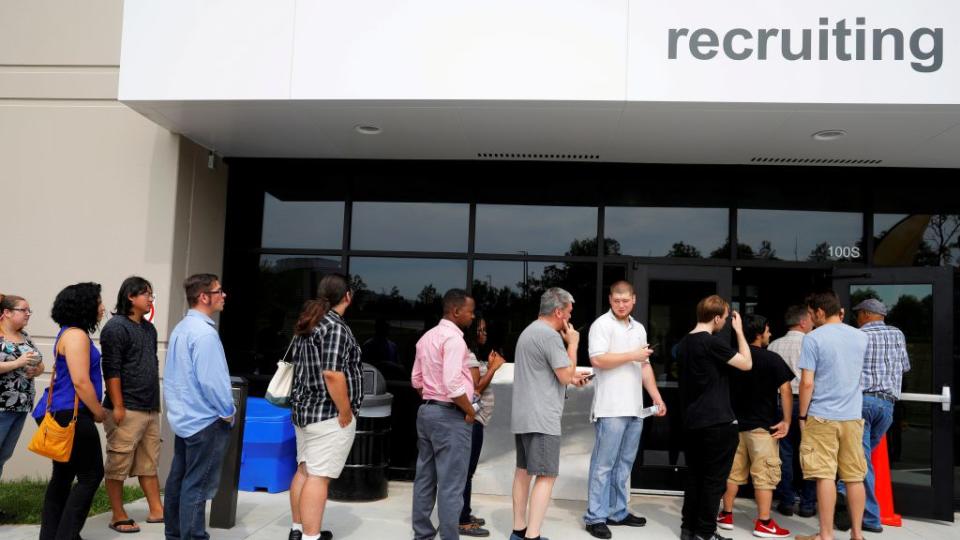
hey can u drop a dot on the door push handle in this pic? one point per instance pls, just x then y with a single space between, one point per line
944 398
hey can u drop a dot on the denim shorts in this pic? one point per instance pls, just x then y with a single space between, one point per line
538 453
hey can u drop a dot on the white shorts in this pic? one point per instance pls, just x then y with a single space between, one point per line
323 447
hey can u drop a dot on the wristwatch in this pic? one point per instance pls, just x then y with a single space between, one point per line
804 418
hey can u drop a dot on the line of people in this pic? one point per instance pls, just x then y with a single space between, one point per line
825 390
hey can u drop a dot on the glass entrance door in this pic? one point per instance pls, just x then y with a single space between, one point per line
920 441
667 297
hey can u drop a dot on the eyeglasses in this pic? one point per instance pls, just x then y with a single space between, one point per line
218 291
26 310
149 295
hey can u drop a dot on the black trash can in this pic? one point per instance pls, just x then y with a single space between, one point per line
223 507
364 477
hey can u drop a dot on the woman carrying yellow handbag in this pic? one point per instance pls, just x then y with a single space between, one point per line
74 399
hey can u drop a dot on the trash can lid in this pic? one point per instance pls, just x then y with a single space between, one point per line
376 400
261 410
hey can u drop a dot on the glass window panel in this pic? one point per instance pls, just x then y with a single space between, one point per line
789 235
916 240
410 226
910 437
395 302
284 283
536 230
301 224
508 293
671 316
695 233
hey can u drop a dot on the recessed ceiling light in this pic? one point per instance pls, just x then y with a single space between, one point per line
368 130
829 134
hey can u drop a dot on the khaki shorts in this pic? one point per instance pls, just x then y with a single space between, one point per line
323 447
758 456
133 447
829 447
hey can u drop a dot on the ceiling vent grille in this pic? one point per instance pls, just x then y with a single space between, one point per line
538 156
813 161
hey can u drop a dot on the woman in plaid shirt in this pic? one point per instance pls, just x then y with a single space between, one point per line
325 397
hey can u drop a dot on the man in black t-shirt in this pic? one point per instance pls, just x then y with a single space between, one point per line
761 428
710 436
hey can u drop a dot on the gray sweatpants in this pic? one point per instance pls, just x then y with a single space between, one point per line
443 442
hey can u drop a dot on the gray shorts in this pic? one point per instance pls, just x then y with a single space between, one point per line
538 453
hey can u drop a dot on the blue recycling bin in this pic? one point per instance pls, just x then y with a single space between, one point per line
269 458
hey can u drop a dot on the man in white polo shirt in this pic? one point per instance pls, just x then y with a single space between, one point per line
619 353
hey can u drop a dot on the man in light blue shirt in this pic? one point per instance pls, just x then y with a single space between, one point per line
200 409
831 359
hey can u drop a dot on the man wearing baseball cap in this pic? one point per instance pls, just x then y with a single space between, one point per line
884 364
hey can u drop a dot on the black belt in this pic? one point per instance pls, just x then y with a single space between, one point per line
446 404
881 395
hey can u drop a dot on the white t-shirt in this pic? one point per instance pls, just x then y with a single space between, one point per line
617 391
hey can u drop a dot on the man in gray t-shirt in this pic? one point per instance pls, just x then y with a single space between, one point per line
542 370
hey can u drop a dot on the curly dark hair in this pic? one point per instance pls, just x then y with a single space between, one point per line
78 306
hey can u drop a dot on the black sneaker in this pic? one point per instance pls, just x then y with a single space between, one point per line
295 535
687 535
806 512
878 529
599 530
785 509
630 521
841 517
713 536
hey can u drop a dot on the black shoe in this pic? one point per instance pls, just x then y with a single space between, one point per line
630 521
841 516
472 529
807 512
479 521
713 536
599 530
295 535
785 509
878 529
686 535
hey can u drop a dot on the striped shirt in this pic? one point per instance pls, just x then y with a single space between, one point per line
788 347
329 347
886 359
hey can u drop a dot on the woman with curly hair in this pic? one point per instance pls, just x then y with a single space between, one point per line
78 310
19 364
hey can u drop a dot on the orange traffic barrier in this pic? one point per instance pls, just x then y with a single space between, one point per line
881 484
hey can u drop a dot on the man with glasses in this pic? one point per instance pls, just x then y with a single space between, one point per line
132 374
200 409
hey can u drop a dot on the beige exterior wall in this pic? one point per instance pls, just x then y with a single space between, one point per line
91 190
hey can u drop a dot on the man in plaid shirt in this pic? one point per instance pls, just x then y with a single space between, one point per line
884 364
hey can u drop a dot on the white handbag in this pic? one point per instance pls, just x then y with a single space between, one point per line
278 392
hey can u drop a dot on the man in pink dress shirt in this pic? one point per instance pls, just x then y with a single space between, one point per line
444 429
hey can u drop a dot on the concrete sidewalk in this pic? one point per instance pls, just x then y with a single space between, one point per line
262 516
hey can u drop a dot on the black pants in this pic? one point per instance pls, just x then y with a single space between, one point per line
709 455
65 506
475 447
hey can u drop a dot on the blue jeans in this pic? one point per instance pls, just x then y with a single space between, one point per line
614 452
193 480
786 492
443 458
877 419
11 424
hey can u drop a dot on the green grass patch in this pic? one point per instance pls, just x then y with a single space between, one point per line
22 500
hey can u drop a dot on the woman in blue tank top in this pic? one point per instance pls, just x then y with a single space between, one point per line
78 310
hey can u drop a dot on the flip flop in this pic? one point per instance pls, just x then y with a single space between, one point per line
148 520
128 522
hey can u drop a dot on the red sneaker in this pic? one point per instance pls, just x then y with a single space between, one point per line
769 531
725 521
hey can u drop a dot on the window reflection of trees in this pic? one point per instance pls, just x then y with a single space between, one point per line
919 240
